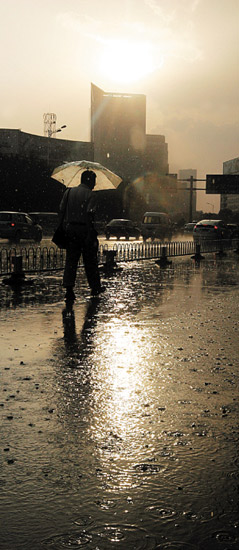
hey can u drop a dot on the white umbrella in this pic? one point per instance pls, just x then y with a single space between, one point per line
70 174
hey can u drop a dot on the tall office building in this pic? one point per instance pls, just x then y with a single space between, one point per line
118 131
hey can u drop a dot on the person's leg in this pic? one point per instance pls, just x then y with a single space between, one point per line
72 257
90 258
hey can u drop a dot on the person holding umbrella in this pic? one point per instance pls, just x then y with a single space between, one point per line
76 209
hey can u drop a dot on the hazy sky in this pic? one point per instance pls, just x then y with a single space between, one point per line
182 54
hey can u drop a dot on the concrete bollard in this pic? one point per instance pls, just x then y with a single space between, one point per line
221 252
110 265
163 261
198 256
17 276
17 265
237 247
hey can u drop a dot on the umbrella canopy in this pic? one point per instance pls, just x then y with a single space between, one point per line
70 174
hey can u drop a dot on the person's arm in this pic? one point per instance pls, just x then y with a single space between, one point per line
91 207
62 207
63 203
92 233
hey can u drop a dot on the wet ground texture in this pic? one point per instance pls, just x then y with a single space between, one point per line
120 414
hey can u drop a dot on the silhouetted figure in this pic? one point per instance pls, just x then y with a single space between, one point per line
81 235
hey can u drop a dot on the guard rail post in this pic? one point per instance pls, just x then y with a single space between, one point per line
221 251
110 264
163 261
237 247
198 256
17 276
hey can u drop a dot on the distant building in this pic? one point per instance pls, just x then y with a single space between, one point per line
118 131
15 143
26 164
230 201
184 194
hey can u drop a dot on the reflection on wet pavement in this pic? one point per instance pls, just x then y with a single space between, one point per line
120 414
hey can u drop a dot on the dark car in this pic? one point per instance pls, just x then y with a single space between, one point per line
211 230
18 225
122 228
47 220
156 225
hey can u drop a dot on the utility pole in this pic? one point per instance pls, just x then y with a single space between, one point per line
191 189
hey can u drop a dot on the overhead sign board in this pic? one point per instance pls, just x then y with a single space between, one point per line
223 184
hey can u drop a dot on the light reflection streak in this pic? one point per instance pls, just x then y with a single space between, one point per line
124 387
123 369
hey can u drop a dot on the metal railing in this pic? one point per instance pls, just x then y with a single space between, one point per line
45 259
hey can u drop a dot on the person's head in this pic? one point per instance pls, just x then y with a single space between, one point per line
88 177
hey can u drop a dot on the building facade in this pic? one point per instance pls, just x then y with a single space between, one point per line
118 131
26 165
15 143
230 201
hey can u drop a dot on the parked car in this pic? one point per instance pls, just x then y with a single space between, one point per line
122 228
156 225
18 225
211 230
47 220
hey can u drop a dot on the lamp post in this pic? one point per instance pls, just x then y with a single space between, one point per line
191 199
50 134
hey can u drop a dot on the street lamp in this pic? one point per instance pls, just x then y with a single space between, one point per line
51 132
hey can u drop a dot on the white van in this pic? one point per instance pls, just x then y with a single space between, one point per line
156 225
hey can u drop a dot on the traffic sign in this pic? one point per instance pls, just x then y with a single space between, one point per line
223 184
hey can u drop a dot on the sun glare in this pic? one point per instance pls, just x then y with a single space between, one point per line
123 61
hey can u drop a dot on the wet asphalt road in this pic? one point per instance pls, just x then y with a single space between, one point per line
120 415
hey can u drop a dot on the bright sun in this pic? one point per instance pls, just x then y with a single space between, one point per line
124 61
